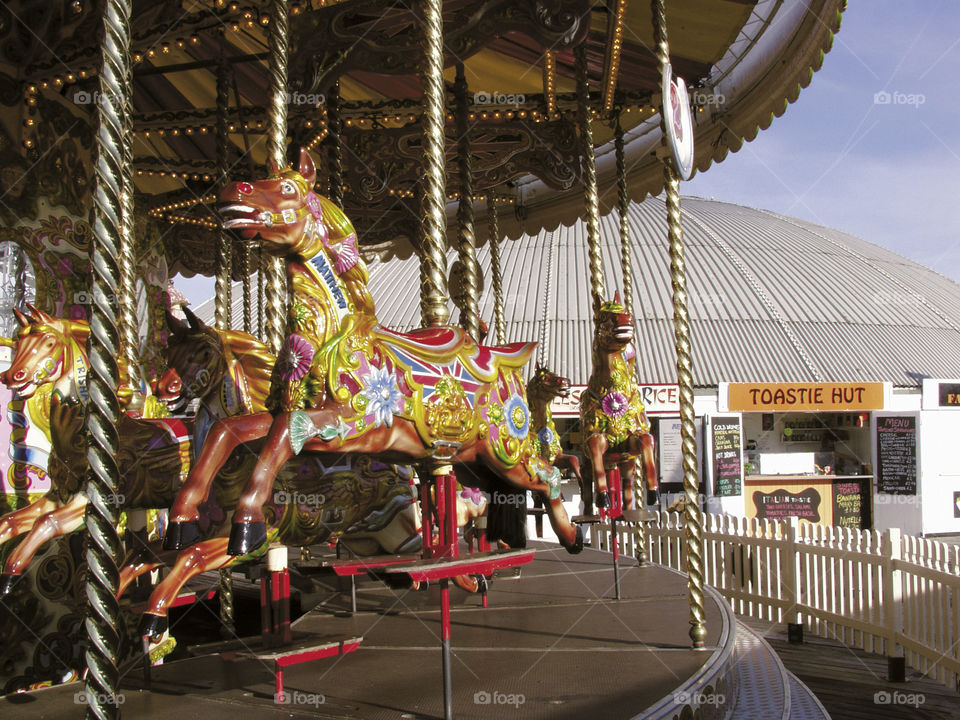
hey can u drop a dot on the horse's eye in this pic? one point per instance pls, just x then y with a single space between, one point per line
287 188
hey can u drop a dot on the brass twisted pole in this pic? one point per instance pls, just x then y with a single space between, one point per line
334 148
127 301
244 258
102 412
277 150
547 302
433 220
223 304
590 192
470 311
692 517
261 284
493 223
223 298
623 206
626 267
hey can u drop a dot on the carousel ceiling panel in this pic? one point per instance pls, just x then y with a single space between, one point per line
758 53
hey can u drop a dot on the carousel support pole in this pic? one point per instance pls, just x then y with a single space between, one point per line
591 194
626 268
127 301
433 241
445 644
493 222
261 285
223 301
103 410
19 272
692 517
277 150
244 258
470 312
334 148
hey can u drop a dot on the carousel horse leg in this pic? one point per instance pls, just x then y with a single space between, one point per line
249 529
61 521
224 437
18 522
131 572
597 447
648 459
570 535
571 463
200 558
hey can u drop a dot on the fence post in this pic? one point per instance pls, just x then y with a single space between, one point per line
789 562
892 552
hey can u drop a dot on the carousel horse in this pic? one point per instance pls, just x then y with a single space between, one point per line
51 351
152 456
369 503
543 387
229 373
612 418
343 384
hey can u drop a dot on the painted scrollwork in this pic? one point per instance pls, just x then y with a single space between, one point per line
342 38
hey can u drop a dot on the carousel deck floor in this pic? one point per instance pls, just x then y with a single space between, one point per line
553 643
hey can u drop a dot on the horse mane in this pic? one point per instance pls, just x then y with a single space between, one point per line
250 364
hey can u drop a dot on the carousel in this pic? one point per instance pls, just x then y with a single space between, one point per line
301 449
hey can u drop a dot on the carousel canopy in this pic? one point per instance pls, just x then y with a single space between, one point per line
743 59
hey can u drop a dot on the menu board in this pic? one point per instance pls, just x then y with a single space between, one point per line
848 504
780 504
897 454
670 447
726 455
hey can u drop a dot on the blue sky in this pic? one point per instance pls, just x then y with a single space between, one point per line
885 172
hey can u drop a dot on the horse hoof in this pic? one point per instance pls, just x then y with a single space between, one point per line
603 500
245 537
577 546
483 584
8 583
181 535
153 626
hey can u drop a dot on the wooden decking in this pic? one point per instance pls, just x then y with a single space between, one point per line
852 684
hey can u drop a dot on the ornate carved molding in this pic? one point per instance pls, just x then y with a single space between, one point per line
362 35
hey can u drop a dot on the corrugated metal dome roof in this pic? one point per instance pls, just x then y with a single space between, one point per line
771 298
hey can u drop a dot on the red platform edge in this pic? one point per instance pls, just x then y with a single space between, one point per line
478 563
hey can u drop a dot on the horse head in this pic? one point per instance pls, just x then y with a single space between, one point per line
614 327
546 385
196 360
278 208
40 354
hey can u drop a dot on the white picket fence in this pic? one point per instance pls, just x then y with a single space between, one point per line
884 592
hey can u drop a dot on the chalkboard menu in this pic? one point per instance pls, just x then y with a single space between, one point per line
780 504
897 454
670 447
726 455
848 504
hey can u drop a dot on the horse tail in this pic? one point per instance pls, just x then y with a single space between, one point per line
507 516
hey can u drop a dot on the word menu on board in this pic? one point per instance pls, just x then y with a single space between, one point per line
897 454
726 434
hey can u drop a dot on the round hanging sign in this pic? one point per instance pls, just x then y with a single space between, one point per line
678 121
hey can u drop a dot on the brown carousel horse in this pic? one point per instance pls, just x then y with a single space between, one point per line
228 372
343 384
51 351
543 388
612 417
